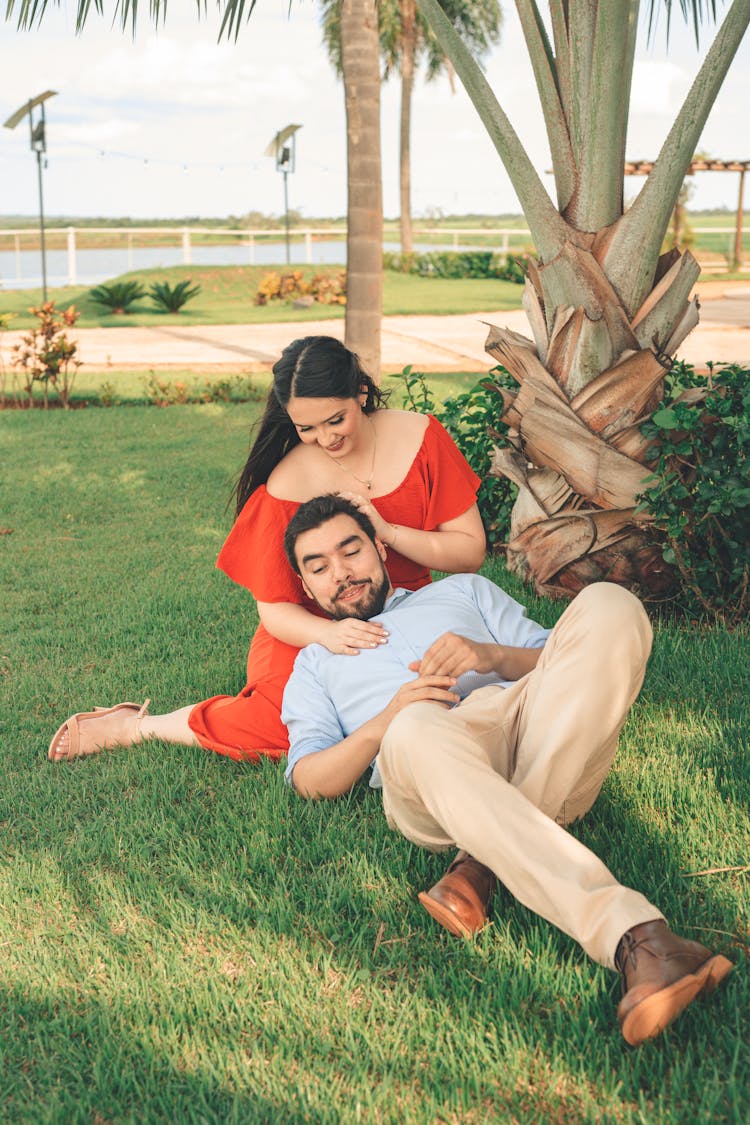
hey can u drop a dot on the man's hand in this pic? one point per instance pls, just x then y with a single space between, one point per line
452 655
434 688
349 636
333 771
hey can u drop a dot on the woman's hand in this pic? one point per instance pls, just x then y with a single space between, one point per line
383 529
349 636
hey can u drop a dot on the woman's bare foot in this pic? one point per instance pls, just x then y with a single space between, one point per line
88 732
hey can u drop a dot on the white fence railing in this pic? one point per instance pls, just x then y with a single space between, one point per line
75 264
186 241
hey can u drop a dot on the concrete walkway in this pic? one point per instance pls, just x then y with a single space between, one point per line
430 343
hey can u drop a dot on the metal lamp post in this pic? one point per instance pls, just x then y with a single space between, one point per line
283 149
37 131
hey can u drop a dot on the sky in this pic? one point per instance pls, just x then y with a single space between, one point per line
172 123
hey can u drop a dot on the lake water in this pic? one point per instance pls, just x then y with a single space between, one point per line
24 270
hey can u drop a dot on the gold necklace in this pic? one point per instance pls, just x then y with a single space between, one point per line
367 483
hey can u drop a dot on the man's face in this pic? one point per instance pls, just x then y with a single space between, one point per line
342 569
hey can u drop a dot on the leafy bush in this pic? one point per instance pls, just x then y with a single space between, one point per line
472 420
329 289
46 355
281 287
326 289
459 264
699 494
514 268
234 388
171 298
119 296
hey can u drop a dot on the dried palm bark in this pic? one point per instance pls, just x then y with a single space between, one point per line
576 451
607 312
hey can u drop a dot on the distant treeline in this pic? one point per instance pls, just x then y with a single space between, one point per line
256 220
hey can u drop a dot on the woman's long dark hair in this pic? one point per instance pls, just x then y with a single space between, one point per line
313 367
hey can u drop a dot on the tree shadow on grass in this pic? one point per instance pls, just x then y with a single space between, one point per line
176 866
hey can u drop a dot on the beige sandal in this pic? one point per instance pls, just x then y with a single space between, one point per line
80 749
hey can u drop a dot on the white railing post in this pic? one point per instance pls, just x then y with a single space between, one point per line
308 247
186 246
505 245
130 251
251 247
455 240
17 241
72 256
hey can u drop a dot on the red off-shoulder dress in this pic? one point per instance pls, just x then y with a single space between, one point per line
438 487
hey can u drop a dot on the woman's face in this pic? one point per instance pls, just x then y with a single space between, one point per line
332 423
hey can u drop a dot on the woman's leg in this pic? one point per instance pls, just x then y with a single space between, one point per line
119 727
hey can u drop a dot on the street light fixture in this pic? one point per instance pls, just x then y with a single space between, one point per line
37 131
282 147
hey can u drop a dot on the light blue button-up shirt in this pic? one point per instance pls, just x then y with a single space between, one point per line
329 696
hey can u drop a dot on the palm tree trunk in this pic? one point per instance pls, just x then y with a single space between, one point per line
607 313
360 58
408 10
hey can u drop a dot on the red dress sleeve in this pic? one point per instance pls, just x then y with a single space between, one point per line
440 486
453 484
253 554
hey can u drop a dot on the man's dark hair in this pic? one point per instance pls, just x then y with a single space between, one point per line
314 513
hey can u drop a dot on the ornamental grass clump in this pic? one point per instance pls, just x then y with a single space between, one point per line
699 494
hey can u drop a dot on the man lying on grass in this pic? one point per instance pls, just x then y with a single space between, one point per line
489 733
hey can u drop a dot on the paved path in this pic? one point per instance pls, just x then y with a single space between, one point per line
430 343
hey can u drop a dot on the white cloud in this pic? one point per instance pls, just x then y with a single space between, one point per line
184 120
659 87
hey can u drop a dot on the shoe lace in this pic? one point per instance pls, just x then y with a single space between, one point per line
626 951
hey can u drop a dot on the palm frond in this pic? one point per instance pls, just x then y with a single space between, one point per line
695 11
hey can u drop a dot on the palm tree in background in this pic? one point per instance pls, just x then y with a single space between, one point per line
364 228
607 309
361 73
405 41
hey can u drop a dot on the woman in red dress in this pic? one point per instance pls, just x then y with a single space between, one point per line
325 429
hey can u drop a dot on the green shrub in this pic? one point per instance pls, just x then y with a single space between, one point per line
514 268
119 296
171 298
161 391
699 494
459 264
472 420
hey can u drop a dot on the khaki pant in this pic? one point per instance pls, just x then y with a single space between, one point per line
502 772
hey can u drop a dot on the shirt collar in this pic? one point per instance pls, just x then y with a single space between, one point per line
396 598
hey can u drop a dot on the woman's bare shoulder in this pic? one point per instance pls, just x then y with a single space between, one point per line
402 422
287 479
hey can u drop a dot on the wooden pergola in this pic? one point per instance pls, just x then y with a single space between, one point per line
643 167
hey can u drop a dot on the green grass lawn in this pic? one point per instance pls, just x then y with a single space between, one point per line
228 293
182 939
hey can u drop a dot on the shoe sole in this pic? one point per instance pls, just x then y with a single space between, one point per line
657 1011
446 917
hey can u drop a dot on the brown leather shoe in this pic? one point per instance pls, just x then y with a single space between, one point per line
661 974
459 901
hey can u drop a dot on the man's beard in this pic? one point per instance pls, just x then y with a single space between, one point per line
365 608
